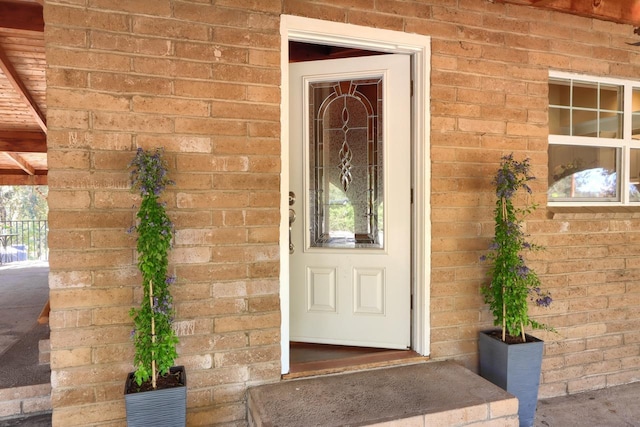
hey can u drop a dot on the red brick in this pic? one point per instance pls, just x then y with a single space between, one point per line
206 14
86 99
169 28
202 126
94 413
130 84
249 322
78 59
157 8
229 413
69 119
69 37
129 43
68 78
70 397
247 357
205 51
243 37
171 68
64 15
70 358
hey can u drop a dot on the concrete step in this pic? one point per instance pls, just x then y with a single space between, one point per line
23 401
44 352
429 393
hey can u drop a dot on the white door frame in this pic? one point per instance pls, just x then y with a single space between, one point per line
332 33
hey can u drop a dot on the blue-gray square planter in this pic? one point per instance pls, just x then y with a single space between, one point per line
159 408
514 368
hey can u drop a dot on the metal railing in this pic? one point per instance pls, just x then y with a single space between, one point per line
23 241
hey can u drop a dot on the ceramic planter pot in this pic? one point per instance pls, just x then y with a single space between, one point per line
160 407
514 368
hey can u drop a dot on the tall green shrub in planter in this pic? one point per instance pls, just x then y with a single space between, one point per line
512 283
154 338
509 357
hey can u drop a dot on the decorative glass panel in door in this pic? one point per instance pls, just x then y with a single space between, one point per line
345 155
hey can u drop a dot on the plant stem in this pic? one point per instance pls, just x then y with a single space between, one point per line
504 318
153 337
504 304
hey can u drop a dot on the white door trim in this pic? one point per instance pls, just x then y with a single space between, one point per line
339 34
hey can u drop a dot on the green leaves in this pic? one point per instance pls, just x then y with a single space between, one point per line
154 337
512 282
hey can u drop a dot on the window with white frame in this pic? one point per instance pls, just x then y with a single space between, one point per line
594 141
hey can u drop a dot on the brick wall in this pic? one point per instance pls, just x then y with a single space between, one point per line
202 80
190 77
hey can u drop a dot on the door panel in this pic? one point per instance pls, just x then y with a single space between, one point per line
350 176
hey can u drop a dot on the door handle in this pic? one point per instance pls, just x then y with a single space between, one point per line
292 218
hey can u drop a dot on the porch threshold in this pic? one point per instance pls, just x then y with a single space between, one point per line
310 360
429 393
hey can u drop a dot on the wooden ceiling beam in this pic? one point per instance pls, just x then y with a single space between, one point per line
23 142
22 16
15 81
21 163
542 2
23 179
620 11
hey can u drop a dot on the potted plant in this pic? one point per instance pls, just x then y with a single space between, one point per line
155 394
509 357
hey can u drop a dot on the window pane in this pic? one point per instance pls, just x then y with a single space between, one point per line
585 95
611 98
559 122
560 92
634 176
584 123
636 114
610 125
582 172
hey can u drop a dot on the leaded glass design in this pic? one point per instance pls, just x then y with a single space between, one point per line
345 163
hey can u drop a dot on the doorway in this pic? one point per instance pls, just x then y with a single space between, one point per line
319 254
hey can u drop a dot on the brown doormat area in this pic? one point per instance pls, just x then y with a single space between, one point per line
321 359
20 363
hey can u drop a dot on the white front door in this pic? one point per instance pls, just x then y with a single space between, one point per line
350 191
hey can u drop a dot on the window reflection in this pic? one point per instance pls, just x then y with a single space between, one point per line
579 172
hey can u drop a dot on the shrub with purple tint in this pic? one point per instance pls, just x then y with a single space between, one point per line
512 283
154 338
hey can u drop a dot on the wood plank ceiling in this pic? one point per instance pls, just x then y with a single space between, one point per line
23 129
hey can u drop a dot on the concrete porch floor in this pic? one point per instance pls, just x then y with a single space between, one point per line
24 382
